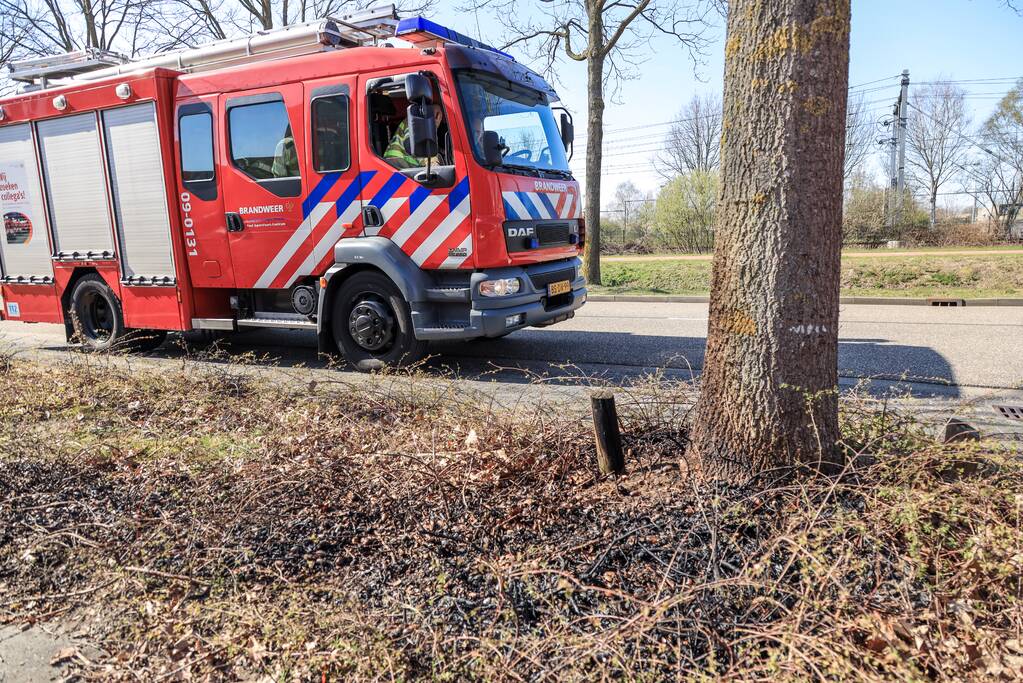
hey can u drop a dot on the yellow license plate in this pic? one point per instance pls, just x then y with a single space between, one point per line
556 288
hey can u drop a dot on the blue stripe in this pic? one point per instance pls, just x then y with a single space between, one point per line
458 194
318 193
417 197
352 192
547 204
524 198
388 190
510 212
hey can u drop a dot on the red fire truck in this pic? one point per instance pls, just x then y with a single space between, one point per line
315 177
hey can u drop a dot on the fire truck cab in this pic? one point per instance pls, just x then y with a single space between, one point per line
310 177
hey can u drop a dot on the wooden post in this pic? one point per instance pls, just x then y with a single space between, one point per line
610 458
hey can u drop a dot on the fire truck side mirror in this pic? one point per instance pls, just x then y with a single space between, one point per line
418 89
567 130
492 148
422 131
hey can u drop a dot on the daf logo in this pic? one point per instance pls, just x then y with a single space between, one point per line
520 232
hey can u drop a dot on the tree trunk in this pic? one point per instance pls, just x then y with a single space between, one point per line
769 393
934 208
594 156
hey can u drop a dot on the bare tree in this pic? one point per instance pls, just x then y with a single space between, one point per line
43 27
9 39
769 390
859 136
694 140
31 28
999 172
226 18
936 141
605 35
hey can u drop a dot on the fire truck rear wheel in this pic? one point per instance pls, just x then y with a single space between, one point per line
96 314
372 324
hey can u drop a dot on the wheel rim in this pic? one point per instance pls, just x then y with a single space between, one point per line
371 323
97 318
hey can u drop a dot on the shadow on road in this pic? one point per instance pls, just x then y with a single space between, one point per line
573 357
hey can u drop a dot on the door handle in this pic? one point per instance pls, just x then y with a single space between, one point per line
234 222
372 217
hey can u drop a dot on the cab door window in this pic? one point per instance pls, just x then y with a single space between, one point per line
263 146
196 132
388 127
331 148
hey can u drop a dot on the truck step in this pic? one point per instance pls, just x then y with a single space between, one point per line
283 323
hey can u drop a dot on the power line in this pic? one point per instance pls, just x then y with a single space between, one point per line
978 81
955 132
886 78
696 118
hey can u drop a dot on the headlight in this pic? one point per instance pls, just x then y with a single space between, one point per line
506 286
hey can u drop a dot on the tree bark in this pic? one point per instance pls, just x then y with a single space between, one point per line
769 393
594 159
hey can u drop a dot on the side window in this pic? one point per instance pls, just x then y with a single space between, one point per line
331 151
388 128
196 134
262 143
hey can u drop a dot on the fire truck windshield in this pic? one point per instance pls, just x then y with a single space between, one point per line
521 117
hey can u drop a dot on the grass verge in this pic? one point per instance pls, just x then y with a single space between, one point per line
982 276
201 523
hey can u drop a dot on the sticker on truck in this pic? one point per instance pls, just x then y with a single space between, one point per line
13 309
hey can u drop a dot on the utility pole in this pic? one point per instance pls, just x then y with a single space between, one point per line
893 175
901 135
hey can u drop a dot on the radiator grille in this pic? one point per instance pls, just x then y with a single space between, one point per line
553 234
541 280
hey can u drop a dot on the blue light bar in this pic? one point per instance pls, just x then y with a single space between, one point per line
443 33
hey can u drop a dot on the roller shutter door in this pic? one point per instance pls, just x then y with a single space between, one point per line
140 197
76 186
24 248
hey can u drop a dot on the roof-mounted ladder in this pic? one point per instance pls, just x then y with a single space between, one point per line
366 27
67 65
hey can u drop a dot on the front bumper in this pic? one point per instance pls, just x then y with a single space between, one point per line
489 317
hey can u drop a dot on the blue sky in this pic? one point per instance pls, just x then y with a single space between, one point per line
950 39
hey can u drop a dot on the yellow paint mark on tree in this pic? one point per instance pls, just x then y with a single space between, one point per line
817 105
788 86
799 38
784 39
737 322
732 47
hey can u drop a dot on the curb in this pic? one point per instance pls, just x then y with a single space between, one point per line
867 300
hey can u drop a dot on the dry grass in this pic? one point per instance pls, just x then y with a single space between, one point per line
203 523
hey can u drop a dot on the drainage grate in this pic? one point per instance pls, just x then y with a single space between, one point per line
947 302
1010 412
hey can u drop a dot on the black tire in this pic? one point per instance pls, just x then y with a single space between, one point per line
98 320
372 325
96 315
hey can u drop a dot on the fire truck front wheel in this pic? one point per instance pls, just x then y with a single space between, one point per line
372 324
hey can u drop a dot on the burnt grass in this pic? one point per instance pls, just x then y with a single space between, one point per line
209 523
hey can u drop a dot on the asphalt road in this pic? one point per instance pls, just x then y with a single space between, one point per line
951 352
